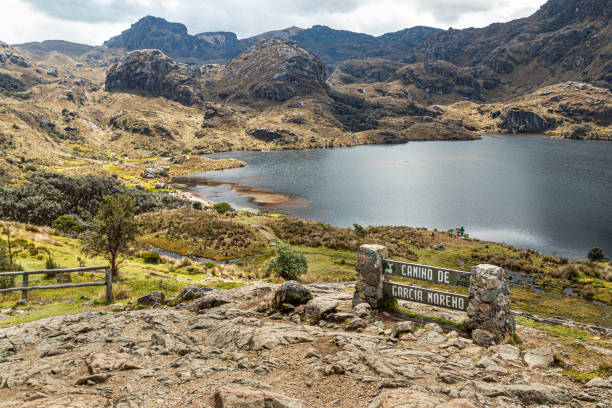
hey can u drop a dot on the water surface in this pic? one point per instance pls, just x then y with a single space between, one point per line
528 191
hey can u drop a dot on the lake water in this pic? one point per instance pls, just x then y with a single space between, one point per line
528 191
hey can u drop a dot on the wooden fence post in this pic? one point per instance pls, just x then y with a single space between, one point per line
109 286
24 293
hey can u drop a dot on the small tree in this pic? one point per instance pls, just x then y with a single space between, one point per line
68 223
114 228
222 208
359 230
288 263
7 265
595 254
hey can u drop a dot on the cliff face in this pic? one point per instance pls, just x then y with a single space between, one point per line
171 38
152 72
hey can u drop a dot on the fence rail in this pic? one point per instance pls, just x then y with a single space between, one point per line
24 288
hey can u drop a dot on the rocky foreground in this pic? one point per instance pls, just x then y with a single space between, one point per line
233 349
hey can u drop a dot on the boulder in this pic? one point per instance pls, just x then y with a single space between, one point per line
356 324
505 352
320 307
401 328
539 357
155 172
153 298
237 396
362 310
483 338
538 394
194 292
292 292
599 383
431 337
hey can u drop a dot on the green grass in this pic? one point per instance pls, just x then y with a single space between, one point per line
328 265
603 371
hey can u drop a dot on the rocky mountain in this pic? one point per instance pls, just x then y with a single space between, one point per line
13 56
171 38
154 73
564 40
41 49
332 46
272 69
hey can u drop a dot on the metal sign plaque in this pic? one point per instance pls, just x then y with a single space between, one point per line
427 296
426 273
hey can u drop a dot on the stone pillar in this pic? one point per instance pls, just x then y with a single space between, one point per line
369 288
489 315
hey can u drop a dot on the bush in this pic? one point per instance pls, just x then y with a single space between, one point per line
5 266
359 230
151 257
197 205
44 197
570 272
288 263
588 291
595 254
68 223
222 208
51 264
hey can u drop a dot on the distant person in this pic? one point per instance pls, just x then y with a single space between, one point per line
462 231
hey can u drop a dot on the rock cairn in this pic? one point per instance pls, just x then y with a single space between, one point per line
369 268
489 315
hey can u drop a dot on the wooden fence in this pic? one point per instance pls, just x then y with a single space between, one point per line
24 288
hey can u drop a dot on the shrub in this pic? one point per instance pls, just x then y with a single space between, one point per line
595 254
151 257
197 205
43 197
222 208
288 263
68 223
6 266
588 292
51 264
359 230
578 131
570 272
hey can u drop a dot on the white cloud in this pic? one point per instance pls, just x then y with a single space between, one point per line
94 21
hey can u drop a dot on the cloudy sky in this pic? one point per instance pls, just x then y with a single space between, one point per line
93 21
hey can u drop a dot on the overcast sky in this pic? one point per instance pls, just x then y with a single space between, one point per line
94 21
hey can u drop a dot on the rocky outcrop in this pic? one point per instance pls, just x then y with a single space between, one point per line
231 355
154 73
518 120
272 69
11 55
172 38
440 77
155 172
